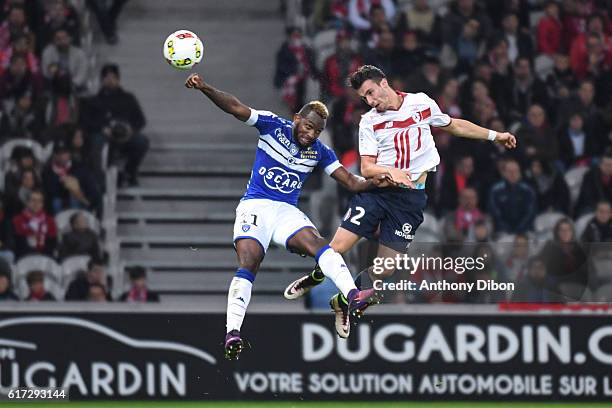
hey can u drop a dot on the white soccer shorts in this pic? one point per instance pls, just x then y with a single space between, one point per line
267 220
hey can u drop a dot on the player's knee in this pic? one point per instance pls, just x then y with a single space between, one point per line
249 262
307 242
340 245
316 244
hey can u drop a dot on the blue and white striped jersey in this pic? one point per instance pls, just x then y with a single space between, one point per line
281 166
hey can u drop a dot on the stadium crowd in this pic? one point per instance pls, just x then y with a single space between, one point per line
540 69
57 138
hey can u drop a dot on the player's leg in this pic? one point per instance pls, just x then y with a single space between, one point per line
332 264
251 238
361 220
343 241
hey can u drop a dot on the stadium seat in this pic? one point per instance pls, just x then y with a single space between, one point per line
48 266
425 236
604 294
324 45
603 269
572 291
573 178
543 66
71 266
582 223
62 219
9 146
47 152
430 224
503 244
588 296
546 222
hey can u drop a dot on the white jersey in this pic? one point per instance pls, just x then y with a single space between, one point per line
402 138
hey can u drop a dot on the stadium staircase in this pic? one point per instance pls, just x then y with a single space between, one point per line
178 222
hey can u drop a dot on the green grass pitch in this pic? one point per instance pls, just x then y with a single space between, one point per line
291 404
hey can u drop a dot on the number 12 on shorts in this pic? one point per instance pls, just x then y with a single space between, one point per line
359 212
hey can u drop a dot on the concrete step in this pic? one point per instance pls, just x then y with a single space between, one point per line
208 257
211 282
180 193
173 204
168 240
216 302
214 136
222 206
209 158
200 182
219 231
172 216
206 146
194 169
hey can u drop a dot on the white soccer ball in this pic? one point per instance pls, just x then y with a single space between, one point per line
183 49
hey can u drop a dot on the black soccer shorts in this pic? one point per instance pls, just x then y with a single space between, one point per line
398 211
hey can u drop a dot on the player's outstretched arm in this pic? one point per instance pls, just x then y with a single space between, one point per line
227 102
356 183
465 128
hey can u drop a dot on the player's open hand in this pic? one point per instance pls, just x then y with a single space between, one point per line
506 139
194 81
400 178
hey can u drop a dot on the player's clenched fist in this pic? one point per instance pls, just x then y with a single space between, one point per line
506 139
194 81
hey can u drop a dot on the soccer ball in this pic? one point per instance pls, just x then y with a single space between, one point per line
183 49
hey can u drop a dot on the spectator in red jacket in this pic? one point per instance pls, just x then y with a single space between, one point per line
339 65
574 21
550 30
14 25
20 45
591 51
35 230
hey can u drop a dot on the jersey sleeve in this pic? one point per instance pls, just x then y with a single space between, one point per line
264 121
367 139
329 161
437 118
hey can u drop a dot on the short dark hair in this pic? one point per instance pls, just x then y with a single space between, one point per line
94 262
110 69
35 276
136 272
317 107
74 217
608 153
365 72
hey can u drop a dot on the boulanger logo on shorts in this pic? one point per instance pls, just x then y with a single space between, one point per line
405 232
277 178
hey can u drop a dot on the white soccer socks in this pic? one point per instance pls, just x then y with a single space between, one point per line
238 298
333 266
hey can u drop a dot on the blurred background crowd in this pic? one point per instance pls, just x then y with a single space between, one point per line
60 129
539 69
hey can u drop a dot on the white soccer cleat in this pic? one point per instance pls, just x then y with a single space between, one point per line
342 319
301 286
